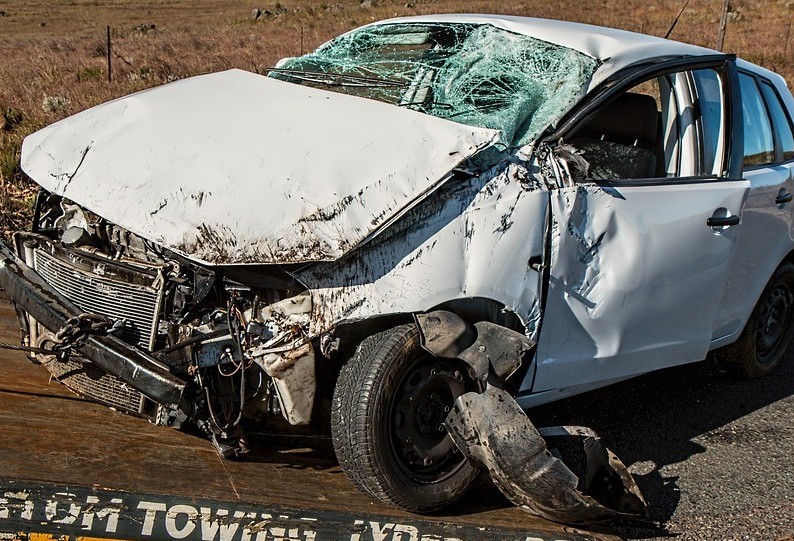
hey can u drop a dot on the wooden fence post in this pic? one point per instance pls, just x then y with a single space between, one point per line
110 66
723 24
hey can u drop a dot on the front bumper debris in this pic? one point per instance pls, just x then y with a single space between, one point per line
133 366
491 429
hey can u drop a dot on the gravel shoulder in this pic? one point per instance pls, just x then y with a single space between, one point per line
713 455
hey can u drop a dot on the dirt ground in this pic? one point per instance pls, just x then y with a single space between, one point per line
53 54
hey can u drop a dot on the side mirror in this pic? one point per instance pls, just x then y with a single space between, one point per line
283 61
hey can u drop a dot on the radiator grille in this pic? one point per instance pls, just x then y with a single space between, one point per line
137 304
96 384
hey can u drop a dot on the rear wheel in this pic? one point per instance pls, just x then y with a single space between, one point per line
388 408
769 331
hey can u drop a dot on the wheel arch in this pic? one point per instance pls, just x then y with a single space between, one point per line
725 341
749 357
471 309
788 258
348 334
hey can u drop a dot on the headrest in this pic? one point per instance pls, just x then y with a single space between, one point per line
629 116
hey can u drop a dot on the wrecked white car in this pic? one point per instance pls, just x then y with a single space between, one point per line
409 235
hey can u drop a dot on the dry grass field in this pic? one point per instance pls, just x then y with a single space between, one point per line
53 52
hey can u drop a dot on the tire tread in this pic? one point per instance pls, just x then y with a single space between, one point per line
367 373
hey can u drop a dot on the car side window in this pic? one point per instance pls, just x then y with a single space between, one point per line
780 121
709 104
624 138
759 146
666 127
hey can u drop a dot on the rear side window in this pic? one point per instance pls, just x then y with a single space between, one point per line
780 120
709 101
759 146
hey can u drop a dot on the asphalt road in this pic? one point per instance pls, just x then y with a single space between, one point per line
713 455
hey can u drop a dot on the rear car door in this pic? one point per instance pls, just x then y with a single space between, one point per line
641 246
768 161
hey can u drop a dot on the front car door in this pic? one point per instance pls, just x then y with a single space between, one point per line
641 245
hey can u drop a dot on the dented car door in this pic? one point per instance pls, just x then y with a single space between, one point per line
628 247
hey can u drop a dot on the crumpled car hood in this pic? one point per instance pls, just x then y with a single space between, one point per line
235 167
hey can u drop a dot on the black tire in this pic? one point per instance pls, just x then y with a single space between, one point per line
769 331
380 437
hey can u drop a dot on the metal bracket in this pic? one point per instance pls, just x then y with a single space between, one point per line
483 346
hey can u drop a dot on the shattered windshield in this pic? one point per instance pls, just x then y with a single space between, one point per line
475 74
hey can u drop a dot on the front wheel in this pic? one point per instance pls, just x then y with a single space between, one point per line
387 417
769 331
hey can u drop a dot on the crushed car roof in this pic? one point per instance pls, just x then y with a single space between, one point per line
616 49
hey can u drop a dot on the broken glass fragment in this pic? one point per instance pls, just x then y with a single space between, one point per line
474 74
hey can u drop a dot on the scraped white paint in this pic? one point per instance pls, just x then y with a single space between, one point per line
235 167
472 239
635 280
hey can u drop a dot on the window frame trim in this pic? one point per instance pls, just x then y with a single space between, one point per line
779 153
722 144
621 82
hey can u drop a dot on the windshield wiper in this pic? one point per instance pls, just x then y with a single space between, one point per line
338 79
439 104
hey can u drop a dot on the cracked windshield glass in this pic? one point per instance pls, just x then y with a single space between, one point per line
474 74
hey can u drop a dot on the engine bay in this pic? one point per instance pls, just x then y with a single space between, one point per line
238 335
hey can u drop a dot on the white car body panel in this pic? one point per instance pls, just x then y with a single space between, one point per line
764 241
236 167
767 235
474 240
621 259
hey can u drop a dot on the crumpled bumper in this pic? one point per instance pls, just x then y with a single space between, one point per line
134 366
491 429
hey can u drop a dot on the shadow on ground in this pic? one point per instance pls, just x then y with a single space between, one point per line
652 421
649 421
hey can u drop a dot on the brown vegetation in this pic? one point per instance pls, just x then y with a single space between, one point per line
53 53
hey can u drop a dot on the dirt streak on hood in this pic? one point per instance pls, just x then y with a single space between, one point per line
235 167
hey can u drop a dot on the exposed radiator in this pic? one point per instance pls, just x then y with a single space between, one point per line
137 304
112 291
89 381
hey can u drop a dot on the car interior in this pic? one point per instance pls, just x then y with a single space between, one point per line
624 139
666 127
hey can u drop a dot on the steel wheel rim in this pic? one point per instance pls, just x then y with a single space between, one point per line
774 323
425 394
